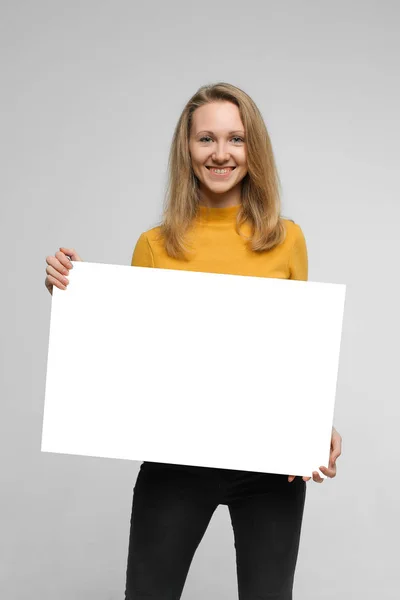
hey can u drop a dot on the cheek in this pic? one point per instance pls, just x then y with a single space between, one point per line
242 162
241 158
198 160
193 160
195 163
194 156
196 167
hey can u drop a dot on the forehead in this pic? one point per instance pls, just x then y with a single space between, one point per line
218 117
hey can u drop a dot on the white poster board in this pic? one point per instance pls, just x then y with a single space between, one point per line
193 368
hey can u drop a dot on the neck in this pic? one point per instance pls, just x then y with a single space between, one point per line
218 215
224 200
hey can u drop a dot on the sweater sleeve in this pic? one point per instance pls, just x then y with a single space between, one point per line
142 255
298 259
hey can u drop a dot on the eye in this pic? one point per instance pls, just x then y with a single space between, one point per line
237 139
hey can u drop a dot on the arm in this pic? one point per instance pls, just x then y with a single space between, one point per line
298 257
142 254
336 451
298 267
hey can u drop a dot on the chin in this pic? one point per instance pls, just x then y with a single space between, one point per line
219 189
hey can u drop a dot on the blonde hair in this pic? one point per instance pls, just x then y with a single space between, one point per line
260 198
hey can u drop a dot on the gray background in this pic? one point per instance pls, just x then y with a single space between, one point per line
91 92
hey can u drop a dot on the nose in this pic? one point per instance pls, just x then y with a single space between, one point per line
220 155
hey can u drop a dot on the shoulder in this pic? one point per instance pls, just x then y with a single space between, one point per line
150 239
294 232
297 250
151 235
147 247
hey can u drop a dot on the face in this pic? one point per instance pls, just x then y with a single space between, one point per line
217 147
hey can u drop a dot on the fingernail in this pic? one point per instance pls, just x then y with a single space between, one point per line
65 272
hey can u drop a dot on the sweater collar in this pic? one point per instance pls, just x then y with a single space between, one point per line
218 215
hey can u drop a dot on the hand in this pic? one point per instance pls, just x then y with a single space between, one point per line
58 268
336 451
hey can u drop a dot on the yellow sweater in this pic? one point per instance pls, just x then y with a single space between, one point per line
217 248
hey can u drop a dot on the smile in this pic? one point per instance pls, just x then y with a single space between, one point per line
221 171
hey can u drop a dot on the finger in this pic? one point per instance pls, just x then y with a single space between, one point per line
64 259
336 444
72 253
48 285
55 262
50 280
306 478
317 478
328 472
291 477
57 275
334 456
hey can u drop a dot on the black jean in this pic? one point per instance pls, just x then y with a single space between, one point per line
172 507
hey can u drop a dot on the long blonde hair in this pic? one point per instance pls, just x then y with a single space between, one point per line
260 198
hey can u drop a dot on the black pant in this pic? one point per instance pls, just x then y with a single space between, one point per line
172 507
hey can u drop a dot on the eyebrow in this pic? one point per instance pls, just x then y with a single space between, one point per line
230 133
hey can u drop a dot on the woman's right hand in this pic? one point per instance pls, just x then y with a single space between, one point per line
58 267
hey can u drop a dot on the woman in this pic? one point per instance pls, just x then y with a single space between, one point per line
222 215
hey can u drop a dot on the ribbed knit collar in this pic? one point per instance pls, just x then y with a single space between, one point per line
218 215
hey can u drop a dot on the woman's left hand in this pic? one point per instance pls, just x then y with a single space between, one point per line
336 450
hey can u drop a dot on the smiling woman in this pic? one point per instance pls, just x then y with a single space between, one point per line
221 215
218 154
220 127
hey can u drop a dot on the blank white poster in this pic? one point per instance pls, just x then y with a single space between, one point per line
193 368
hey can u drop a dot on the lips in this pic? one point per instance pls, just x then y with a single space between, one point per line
231 168
224 176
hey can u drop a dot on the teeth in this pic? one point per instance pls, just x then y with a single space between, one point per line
220 170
